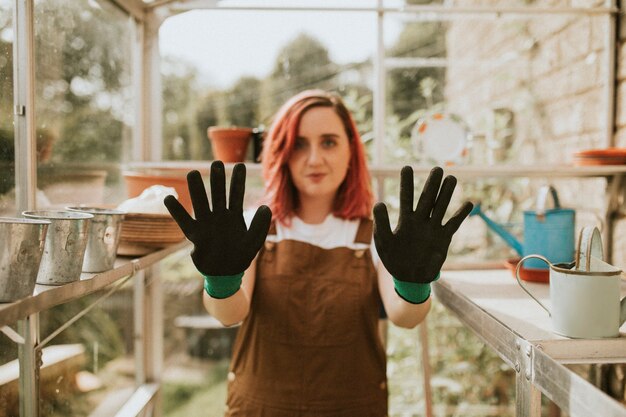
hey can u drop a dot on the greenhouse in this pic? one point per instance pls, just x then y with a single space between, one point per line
489 282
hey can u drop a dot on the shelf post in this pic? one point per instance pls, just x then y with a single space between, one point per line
30 364
148 318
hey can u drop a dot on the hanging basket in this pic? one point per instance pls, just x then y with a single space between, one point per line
229 144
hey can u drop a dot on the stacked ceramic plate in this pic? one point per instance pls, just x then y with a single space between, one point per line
607 156
143 233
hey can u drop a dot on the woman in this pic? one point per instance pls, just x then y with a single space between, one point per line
304 279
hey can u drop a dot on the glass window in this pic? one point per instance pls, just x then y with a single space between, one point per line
521 87
510 79
237 67
88 368
7 163
83 101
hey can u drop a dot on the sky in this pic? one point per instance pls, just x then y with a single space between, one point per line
225 45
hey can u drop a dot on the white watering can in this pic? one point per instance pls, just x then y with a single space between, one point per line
586 298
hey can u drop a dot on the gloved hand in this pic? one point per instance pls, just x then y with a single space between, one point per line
223 247
416 250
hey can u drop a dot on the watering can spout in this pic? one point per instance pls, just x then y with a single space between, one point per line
508 238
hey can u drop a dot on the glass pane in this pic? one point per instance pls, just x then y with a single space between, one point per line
197 356
7 163
529 92
511 92
83 101
9 375
520 86
467 377
88 368
219 71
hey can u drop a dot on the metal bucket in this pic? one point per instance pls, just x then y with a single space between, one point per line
21 247
104 237
64 250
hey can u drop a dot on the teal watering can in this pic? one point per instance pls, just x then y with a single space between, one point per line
548 232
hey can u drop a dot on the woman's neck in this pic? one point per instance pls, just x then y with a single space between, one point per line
314 210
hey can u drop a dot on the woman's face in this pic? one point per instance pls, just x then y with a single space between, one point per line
321 154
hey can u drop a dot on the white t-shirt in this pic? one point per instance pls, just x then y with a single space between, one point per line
333 232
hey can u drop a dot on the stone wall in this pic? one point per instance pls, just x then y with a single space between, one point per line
550 73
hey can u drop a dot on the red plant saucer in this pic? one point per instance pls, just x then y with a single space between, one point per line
528 274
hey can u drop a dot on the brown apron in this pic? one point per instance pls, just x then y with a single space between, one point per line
310 345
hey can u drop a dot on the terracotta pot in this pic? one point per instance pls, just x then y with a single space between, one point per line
136 182
229 144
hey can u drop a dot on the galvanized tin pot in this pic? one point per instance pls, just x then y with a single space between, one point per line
21 248
64 250
103 239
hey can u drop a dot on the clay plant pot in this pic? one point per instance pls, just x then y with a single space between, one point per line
229 144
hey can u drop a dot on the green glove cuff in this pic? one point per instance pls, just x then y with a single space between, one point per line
413 292
222 286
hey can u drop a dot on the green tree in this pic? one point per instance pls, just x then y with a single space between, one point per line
180 85
243 101
89 135
302 64
83 78
6 81
6 101
412 89
210 112
359 100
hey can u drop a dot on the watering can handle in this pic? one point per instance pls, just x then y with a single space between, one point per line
519 281
589 245
543 196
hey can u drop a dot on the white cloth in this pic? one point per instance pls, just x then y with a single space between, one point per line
150 201
333 232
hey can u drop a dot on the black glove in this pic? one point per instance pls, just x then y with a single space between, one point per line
416 250
223 246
